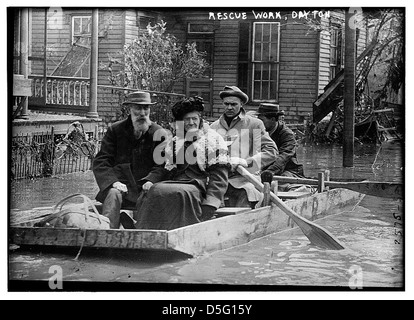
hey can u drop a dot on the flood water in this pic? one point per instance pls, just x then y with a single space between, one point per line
372 233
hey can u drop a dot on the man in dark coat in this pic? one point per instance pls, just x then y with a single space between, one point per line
286 162
125 157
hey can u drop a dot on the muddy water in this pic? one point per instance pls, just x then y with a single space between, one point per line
372 233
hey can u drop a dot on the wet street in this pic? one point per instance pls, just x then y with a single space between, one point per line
372 233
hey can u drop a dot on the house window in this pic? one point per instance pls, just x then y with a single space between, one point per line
81 30
336 51
258 67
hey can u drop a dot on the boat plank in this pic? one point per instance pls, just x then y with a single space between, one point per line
225 232
230 231
72 237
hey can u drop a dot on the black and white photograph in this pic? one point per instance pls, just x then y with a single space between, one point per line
206 149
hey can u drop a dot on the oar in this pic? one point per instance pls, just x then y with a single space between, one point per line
316 234
374 188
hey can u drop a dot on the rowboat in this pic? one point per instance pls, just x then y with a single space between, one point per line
231 227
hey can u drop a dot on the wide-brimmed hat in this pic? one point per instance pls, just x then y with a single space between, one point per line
187 105
269 109
138 97
233 91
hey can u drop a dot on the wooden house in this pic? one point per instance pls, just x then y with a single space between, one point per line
273 54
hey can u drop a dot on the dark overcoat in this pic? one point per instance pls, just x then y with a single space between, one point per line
124 158
286 143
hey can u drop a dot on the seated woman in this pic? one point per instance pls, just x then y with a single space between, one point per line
191 184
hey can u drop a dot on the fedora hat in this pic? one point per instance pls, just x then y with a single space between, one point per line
269 108
233 91
138 97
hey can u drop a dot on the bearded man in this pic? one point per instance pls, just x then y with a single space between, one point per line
126 156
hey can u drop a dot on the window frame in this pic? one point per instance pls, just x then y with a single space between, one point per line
338 49
255 63
208 25
73 35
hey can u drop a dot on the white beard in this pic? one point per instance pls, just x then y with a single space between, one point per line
140 127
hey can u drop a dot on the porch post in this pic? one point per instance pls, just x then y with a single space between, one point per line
93 92
349 90
24 57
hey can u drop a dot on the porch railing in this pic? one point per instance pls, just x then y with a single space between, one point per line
63 91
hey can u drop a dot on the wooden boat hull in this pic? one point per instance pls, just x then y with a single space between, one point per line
216 234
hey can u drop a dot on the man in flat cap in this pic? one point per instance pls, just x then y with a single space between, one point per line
126 156
286 162
249 145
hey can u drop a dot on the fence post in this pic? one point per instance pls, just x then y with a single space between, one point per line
52 153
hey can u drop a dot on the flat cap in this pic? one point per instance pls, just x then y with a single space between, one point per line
233 91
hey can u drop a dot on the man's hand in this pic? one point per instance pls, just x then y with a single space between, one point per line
146 186
235 161
208 212
120 186
249 162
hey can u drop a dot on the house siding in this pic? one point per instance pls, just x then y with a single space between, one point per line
298 69
59 36
110 46
324 40
297 73
37 32
226 46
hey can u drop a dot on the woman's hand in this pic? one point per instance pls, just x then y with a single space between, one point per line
120 186
146 186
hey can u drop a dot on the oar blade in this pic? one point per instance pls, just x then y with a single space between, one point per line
316 235
322 238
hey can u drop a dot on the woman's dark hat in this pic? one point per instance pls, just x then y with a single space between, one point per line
181 108
233 91
138 97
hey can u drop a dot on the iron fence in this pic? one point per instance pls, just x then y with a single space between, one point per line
36 155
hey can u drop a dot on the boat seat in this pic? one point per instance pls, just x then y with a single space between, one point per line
127 207
227 211
292 195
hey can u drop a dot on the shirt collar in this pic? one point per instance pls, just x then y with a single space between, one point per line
241 116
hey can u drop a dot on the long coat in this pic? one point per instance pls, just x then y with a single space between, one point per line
182 187
247 138
286 144
124 158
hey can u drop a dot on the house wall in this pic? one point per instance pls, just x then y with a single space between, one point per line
110 47
324 44
304 53
298 63
112 34
298 69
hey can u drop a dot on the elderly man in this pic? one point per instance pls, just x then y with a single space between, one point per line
286 163
126 156
249 145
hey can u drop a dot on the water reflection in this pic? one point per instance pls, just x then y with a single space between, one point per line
27 193
372 162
